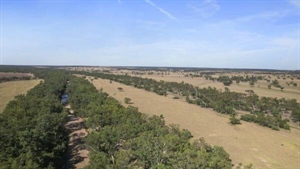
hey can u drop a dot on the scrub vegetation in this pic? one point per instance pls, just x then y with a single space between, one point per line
265 111
33 134
125 138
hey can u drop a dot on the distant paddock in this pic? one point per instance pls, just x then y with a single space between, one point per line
8 90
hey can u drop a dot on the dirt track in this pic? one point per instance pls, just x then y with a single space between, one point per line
246 143
77 154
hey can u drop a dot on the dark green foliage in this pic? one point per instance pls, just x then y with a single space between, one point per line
226 80
248 117
296 114
251 83
273 122
31 127
125 138
13 78
275 83
234 120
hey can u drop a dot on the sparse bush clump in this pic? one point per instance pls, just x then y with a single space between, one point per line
127 100
234 120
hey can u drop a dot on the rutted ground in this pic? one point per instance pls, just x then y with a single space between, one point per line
8 90
246 143
77 154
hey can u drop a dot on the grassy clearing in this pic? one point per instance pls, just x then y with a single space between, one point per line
8 90
246 143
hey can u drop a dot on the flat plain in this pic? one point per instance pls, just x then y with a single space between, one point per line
7 74
246 143
8 90
260 87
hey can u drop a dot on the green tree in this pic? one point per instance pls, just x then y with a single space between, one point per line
269 86
234 120
296 114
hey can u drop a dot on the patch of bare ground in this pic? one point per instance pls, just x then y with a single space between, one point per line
246 143
77 153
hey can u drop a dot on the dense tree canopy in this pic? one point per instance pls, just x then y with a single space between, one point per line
31 127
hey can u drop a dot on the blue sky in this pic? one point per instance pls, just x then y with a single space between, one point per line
197 33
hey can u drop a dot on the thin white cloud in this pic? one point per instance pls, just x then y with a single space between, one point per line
296 3
119 1
265 16
205 8
286 42
161 10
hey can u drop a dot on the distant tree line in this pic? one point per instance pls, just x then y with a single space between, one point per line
267 111
31 127
228 80
40 72
14 78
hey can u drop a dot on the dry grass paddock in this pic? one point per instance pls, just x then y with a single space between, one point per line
4 74
246 143
8 90
260 88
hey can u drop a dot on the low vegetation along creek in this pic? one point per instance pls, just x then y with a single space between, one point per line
92 130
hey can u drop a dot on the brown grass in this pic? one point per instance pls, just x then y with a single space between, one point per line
8 90
260 88
246 143
4 74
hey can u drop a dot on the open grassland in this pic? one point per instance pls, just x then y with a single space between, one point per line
260 87
246 143
7 75
8 90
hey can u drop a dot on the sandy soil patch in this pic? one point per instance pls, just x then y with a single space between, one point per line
246 143
78 155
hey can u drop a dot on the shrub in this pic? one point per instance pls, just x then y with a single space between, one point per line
127 100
